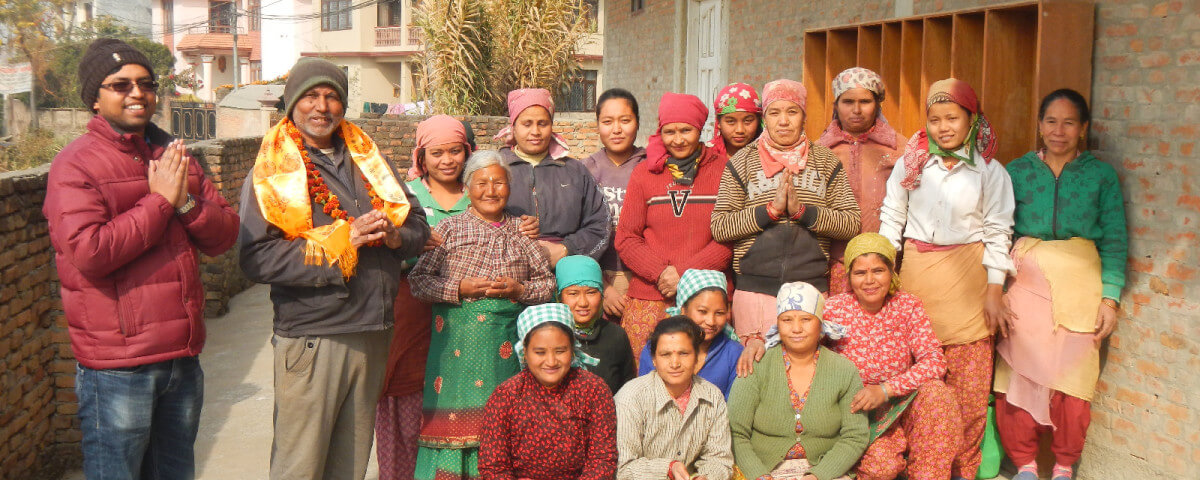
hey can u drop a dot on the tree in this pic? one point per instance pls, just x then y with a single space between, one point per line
30 28
60 85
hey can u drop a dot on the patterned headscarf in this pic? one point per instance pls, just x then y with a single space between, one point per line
775 157
521 99
536 315
805 298
692 282
982 137
436 130
578 270
857 77
870 242
735 97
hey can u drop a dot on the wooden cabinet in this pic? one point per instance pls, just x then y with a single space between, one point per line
1012 54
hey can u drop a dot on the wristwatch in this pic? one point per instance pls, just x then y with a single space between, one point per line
187 207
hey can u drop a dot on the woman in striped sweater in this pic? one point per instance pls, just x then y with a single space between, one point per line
782 199
663 230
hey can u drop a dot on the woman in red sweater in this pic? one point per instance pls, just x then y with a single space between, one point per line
664 224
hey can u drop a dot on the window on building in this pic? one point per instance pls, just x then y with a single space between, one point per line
636 5
256 71
168 9
220 17
254 15
579 93
593 14
335 15
389 13
87 12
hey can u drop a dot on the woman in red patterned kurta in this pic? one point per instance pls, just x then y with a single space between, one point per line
890 340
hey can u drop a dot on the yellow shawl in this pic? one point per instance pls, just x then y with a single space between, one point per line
281 184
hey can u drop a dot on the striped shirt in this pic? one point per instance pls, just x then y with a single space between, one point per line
651 432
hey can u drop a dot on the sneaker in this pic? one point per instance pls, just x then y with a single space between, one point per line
1025 475
1062 473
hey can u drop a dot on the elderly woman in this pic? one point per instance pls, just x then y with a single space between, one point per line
793 417
782 200
704 299
549 184
441 151
478 279
739 118
889 339
954 205
579 282
868 147
672 424
617 122
553 420
664 227
1070 254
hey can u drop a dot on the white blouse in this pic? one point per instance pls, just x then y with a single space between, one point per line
960 205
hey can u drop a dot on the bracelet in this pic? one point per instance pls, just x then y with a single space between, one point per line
747 338
883 386
799 213
772 212
1110 302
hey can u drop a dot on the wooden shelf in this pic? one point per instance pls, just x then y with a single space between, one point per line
1012 55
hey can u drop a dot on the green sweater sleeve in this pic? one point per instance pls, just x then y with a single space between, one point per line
1113 244
852 440
743 401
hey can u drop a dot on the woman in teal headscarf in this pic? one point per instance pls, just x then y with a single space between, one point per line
579 288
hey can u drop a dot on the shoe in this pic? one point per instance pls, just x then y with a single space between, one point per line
1062 473
1025 476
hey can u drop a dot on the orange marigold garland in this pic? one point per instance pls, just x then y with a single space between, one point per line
319 191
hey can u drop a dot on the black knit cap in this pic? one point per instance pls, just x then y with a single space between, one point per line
103 58
308 72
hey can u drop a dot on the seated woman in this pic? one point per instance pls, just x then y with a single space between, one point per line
890 340
553 420
703 299
479 278
792 417
673 424
579 282
739 118
548 184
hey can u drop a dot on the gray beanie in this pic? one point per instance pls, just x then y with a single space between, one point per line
309 72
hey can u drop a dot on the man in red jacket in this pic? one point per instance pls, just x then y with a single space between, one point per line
127 209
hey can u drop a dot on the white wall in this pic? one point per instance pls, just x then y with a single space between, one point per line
282 41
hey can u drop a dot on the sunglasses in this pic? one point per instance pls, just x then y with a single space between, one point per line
126 86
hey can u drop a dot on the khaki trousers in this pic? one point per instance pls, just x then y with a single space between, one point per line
326 391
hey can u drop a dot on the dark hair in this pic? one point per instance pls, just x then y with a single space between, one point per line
724 294
676 324
1081 106
559 325
618 93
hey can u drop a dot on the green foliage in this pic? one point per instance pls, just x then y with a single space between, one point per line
29 150
59 87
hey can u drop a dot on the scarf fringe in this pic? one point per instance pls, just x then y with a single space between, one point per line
316 254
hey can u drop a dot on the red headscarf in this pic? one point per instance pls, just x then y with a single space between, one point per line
436 130
735 97
675 108
916 153
521 99
775 157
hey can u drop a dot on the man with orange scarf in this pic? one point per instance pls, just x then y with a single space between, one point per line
327 224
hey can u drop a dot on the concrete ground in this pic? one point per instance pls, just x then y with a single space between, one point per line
235 425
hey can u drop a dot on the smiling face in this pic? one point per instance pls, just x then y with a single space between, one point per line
131 111
548 354
532 130
445 162
584 302
317 114
1061 128
710 310
948 124
488 190
675 359
617 126
800 332
856 110
870 279
738 129
785 122
681 139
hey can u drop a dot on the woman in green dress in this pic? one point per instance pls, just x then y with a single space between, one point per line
479 279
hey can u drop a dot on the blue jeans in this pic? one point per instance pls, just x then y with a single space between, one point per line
140 422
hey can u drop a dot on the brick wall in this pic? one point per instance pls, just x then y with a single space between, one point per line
39 430
642 57
1146 109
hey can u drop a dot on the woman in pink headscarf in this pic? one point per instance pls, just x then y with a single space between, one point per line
739 118
953 203
664 225
782 201
545 182
441 150
868 147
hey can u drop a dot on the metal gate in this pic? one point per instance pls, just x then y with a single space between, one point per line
193 121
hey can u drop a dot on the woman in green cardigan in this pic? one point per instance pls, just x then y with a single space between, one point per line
790 419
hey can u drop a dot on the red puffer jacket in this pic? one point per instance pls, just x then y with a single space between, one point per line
131 285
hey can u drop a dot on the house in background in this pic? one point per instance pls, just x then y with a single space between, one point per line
378 44
200 34
134 14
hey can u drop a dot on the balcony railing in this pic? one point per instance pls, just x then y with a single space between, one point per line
414 35
200 29
388 37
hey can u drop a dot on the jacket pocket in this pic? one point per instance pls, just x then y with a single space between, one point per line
125 308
